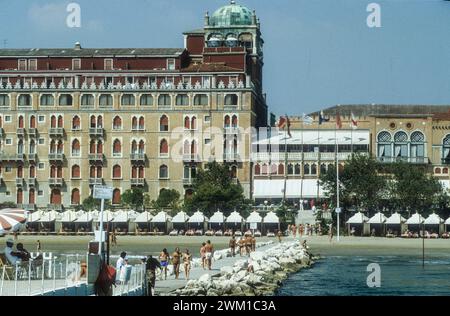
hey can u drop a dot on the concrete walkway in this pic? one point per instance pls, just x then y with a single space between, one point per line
170 285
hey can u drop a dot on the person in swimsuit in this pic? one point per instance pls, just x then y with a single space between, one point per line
241 244
208 253
203 255
232 245
176 259
164 258
253 243
187 257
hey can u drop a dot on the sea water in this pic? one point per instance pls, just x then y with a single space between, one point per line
400 274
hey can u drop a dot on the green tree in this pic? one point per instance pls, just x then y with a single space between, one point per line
134 198
214 189
90 204
168 199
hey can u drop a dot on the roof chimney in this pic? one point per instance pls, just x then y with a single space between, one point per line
77 46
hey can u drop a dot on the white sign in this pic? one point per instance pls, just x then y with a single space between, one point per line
338 210
101 192
253 225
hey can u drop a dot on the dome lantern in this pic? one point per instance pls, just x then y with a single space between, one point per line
232 15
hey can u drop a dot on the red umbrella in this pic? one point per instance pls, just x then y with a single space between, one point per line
11 219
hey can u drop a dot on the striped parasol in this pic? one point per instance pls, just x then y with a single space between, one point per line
11 219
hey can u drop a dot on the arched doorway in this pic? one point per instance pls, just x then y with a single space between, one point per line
55 197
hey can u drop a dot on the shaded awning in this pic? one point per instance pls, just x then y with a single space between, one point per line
433 219
48 217
180 218
161 217
378 218
416 219
395 219
234 217
254 218
197 217
273 188
84 217
121 217
217 218
144 217
358 218
68 217
271 218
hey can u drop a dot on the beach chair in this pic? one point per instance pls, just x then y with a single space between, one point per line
9 269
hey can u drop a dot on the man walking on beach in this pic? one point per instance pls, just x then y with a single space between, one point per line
209 253
232 245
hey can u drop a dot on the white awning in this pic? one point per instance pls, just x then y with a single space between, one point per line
273 188
271 218
198 217
68 217
234 217
254 218
161 217
48 217
34 217
180 218
433 219
447 222
416 219
378 218
322 137
217 218
395 219
121 217
84 217
358 218
108 216
144 217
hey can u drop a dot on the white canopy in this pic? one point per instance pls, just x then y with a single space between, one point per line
416 219
198 217
68 216
48 217
108 216
180 218
254 218
234 218
271 218
217 218
34 217
378 218
447 222
395 219
433 219
121 217
310 137
144 217
84 217
358 218
161 217
295 188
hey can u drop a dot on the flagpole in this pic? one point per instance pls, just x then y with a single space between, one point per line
285 163
337 176
302 171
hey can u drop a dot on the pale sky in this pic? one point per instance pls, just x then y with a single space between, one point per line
318 53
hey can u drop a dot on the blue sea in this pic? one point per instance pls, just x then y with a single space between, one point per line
346 275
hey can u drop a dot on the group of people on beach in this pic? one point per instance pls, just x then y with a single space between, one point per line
305 230
245 245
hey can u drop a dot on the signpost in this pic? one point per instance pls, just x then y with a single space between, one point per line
103 193
338 212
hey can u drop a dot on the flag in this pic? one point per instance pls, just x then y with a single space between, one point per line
307 120
353 121
338 121
288 126
322 118
281 122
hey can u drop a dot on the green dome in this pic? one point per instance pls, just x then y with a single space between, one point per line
232 14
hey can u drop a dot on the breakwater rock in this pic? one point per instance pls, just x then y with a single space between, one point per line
260 274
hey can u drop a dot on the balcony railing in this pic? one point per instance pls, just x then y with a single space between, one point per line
27 207
191 157
231 157
56 132
413 160
32 182
231 130
309 156
138 129
55 207
32 157
12 157
95 181
32 132
138 157
20 132
56 182
188 181
58 157
137 182
96 131
96 157
19 182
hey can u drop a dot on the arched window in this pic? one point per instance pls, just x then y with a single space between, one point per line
233 172
117 123
4 100
446 149
306 169
164 124
65 100
234 121
146 100
60 121
87 100
187 123
182 99
437 171
99 121
116 197
32 172
141 123
133 147
257 170
106 100
400 145
231 99
201 99
24 100
52 147
100 147
76 174
128 99
163 172
264 169
164 100
163 148
53 121
20 147
19 172
53 171
194 123
193 148
76 123
21 122
31 197
384 146
117 148
134 172
226 121
92 147
297 169
281 169
273 169
55 197
60 147
445 170
76 148
75 197
141 147
19 197
32 121
92 170
417 150
323 168
117 172
186 147
314 169
141 172
47 100
134 123
99 172
290 169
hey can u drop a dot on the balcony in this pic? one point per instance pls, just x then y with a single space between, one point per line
56 132
96 131
27 207
138 129
19 182
32 182
56 157
12 157
32 132
32 157
191 158
231 157
55 207
231 130
96 157
20 132
95 181
188 181
55 182
2 132
138 157
412 160
137 182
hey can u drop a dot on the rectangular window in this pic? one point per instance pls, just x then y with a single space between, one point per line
22 64
8 141
40 193
41 166
207 141
207 119
7 118
171 64
32 64
7 193
41 118
76 64
41 141
108 64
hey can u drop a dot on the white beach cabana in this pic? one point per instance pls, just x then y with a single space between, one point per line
160 222
394 224
197 221
358 222
121 221
447 224
434 224
217 220
84 222
142 222
414 223
33 220
234 221
376 224
108 217
66 222
47 221
271 222
254 221
179 221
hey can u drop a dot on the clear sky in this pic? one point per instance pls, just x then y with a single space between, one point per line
318 53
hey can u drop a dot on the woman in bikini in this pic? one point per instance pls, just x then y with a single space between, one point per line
187 257
164 258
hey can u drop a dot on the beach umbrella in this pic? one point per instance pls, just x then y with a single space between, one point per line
143 218
271 218
234 218
416 219
395 219
11 219
358 218
180 218
197 218
433 219
217 218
